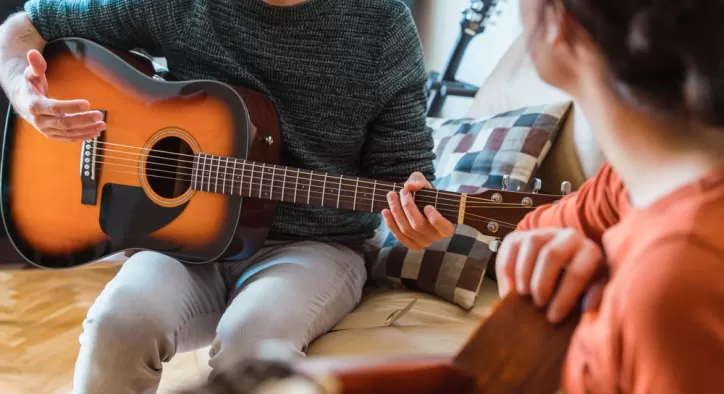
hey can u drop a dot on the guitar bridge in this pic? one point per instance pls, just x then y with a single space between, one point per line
89 169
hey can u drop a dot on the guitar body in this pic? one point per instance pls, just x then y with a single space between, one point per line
62 210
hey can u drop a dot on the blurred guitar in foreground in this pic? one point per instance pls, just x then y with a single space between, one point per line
514 350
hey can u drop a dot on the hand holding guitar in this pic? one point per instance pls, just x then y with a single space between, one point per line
64 120
410 226
532 262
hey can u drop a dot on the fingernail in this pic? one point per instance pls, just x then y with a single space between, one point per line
521 288
97 116
389 198
429 210
552 316
404 192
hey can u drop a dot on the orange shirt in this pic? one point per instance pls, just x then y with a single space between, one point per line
660 326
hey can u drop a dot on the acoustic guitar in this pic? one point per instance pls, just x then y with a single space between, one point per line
187 168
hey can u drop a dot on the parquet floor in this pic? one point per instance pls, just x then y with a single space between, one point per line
40 320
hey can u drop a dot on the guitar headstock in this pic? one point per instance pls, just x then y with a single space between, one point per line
496 213
478 15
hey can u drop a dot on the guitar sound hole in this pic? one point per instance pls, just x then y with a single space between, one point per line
168 167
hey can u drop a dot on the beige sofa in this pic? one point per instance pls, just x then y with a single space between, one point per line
434 326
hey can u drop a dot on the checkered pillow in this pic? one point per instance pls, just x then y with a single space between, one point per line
472 155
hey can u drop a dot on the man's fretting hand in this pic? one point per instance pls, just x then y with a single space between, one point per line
408 224
531 262
64 120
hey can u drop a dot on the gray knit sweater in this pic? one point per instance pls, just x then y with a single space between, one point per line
347 77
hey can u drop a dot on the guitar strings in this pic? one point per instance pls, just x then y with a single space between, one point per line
362 181
380 185
290 171
453 210
317 194
258 175
288 175
470 217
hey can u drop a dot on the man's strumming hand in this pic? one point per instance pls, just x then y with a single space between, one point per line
64 120
531 262
413 228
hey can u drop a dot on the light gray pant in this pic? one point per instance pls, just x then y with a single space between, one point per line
156 307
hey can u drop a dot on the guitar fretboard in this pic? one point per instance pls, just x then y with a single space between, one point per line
224 175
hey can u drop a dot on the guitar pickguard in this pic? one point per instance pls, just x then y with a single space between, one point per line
128 215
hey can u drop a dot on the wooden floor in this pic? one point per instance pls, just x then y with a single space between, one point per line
40 320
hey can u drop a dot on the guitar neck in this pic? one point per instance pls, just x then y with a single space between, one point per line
225 175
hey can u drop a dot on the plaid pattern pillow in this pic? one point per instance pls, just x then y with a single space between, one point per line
472 155
476 154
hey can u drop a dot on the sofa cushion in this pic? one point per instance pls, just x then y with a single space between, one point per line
472 155
432 326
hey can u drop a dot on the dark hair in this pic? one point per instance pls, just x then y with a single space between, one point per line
664 54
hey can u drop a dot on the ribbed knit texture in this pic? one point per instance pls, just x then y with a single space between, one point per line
347 77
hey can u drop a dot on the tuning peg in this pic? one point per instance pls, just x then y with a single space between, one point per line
494 245
565 188
537 184
506 182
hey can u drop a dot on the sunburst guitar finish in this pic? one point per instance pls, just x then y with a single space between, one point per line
67 204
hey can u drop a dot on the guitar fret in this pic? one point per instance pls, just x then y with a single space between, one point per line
209 163
261 181
226 173
216 180
203 169
354 203
374 196
309 189
241 182
271 183
324 187
284 182
194 173
233 178
199 184
296 187
339 190
251 178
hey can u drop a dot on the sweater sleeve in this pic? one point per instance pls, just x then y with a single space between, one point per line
122 24
591 210
399 141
